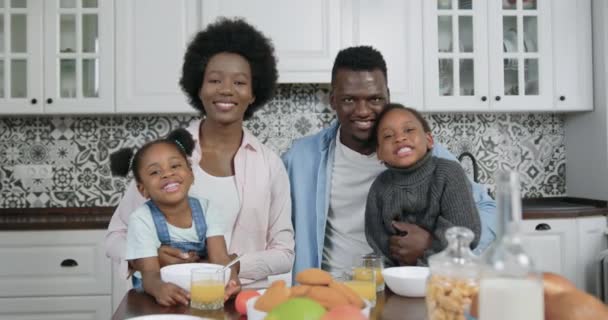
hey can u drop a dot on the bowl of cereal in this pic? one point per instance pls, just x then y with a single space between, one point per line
406 281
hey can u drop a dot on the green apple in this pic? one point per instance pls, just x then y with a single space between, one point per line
297 309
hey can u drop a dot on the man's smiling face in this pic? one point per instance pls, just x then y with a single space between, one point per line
358 97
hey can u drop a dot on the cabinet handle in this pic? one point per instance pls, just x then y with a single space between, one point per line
542 227
34 101
49 100
69 263
497 98
484 98
562 98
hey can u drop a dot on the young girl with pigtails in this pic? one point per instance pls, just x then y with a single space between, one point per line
171 217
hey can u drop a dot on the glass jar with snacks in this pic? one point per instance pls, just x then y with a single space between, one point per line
454 277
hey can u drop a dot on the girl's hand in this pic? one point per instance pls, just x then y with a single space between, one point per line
232 288
169 294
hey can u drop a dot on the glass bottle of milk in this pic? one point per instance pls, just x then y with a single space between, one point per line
510 288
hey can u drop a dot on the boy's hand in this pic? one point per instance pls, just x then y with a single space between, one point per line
410 244
168 255
232 288
168 294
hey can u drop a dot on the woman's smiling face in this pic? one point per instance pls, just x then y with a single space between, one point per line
402 140
227 87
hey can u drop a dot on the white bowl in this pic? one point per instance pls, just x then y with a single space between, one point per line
406 281
179 274
255 314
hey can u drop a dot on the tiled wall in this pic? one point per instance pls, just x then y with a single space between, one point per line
62 161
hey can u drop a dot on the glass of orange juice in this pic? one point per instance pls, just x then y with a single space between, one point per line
367 261
206 289
364 286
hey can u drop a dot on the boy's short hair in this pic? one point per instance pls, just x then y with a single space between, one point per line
360 58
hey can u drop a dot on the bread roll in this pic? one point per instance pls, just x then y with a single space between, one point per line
574 304
554 284
314 277
327 297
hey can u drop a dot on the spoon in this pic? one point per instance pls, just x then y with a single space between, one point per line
230 264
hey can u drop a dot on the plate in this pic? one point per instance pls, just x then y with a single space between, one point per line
168 317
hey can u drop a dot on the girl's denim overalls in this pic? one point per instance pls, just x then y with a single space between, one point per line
160 222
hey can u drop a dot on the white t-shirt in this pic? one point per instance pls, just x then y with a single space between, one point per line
222 192
353 175
142 239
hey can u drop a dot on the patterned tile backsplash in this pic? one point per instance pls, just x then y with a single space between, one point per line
62 161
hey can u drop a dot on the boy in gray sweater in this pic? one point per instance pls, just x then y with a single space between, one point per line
417 188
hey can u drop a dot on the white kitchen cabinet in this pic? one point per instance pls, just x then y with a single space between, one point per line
505 55
57 274
306 35
151 38
56 308
572 55
592 239
552 244
392 27
149 51
568 247
56 56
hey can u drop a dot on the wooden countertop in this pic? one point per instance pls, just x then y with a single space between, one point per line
55 218
389 306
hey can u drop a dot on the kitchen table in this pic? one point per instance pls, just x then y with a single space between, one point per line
388 307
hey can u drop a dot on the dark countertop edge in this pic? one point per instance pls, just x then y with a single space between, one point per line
73 218
595 208
563 214
572 200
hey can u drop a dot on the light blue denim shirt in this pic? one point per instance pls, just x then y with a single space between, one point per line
308 164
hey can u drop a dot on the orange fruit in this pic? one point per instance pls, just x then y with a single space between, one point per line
240 303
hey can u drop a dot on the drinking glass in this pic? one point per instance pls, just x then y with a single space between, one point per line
206 289
373 261
362 280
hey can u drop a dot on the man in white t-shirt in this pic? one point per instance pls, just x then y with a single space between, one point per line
331 173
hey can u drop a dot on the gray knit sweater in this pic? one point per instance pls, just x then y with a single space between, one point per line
434 194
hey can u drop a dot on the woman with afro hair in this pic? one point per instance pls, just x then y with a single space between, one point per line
229 72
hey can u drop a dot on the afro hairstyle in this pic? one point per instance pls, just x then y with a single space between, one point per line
233 36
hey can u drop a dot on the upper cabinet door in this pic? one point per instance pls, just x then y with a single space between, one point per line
21 77
151 38
571 25
507 55
79 56
455 55
392 27
521 67
307 35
